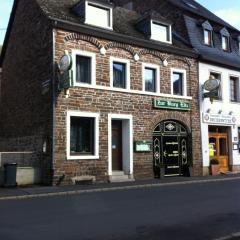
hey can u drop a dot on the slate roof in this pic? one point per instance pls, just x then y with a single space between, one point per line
124 20
216 53
197 9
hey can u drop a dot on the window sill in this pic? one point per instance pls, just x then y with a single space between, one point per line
86 157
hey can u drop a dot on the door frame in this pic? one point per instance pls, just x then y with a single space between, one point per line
127 143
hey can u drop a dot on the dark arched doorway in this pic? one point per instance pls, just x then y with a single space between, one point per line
170 148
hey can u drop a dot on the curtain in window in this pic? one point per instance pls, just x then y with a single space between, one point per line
119 75
83 69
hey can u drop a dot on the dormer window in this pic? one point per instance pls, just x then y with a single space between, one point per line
207 32
95 13
208 37
225 43
161 32
225 39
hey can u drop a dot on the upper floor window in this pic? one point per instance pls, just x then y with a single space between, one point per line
207 31
234 89
208 37
95 13
119 73
161 32
225 43
225 39
179 82
151 78
84 67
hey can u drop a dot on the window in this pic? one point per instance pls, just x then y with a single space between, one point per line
84 68
218 76
225 43
103 13
234 89
161 32
207 33
119 73
82 135
179 82
151 78
208 37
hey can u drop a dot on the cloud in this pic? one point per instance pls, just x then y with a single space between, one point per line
230 15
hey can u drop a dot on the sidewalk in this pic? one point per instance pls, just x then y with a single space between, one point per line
44 191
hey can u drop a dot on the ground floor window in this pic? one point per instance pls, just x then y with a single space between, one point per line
82 135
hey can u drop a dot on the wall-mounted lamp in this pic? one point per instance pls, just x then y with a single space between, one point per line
231 113
220 111
165 63
208 110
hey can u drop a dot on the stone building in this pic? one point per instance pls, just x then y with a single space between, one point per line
218 45
98 91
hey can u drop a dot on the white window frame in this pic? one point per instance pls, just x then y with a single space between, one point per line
96 134
211 37
98 5
157 83
75 53
120 60
169 31
184 72
227 49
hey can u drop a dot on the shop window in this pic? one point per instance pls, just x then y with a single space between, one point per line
161 32
82 135
151 78
119 73
219 77
222 146
179 82
84 67
234 89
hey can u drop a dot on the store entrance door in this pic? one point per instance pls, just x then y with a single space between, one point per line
218 149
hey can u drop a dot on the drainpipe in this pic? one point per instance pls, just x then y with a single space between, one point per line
53 105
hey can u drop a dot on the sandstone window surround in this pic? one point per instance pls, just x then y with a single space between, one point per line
161 32
86 119
154 70
84 69
178 82
119 72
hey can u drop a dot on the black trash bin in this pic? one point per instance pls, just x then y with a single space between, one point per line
10 174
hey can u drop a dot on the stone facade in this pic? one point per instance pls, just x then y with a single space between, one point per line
26 113
34 116
104 100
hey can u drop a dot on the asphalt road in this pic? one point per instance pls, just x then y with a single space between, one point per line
186 212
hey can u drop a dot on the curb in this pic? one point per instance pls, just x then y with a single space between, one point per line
109 189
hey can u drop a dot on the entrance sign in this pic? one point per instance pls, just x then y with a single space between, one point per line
219 119
143 146
212 86
168 104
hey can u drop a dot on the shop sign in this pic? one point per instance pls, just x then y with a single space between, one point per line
168 104
143 146
219 119
65 80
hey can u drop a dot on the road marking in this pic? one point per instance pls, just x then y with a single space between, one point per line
109 189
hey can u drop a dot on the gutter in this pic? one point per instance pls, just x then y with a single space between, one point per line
113 36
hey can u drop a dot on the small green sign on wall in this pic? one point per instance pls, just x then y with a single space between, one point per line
169 104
